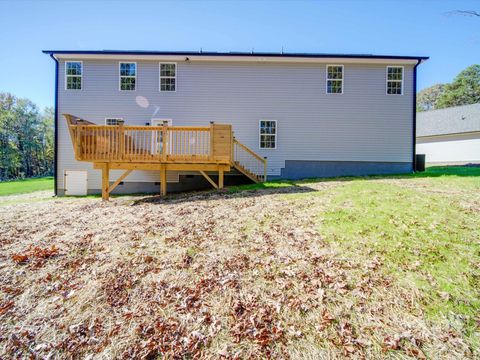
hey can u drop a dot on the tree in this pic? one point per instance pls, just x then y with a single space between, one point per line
464 90
427 99
26 138
47 131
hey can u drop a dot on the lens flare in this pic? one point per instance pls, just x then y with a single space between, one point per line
142 101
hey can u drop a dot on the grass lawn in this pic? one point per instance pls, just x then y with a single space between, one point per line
378 267
26 186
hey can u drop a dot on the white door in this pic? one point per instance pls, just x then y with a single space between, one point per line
157 141
76 182
159 122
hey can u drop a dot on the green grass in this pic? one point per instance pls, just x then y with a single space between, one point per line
428 240
26 186
425 232
265 185
436 171
420 236
430 172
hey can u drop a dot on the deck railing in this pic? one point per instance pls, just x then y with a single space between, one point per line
164 144
120 143
249 160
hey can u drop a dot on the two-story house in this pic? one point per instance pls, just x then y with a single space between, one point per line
309 115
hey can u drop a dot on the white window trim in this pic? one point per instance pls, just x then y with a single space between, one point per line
326 77
260 135
167 77
112 117
126 76
66 76
386 79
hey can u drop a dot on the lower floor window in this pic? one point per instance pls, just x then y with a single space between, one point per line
268 134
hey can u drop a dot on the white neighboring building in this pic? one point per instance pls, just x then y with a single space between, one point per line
450 135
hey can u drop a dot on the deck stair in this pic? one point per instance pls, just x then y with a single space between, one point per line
205 149
248 162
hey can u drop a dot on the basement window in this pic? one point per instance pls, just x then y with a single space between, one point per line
128 76
394 80
334 79
168 76
268 134
73 75
113 121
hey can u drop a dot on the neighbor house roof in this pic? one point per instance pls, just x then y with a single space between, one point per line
453 120
235 56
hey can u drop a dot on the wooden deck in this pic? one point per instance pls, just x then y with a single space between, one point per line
162 148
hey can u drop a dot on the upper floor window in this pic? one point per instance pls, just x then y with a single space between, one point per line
113 121
334 79
168 76
73 75
394 80
268 134
128 75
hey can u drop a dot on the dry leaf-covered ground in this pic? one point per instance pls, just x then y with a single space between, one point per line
315 270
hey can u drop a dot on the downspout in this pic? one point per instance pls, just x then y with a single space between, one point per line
414 131
55 150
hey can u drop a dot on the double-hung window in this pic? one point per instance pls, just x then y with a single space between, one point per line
168 77
73 75
113 121
334 79
394 80
128 75
268 134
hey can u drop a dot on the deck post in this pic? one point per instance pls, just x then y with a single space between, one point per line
164 141
121 139
79 142
105 181
211 139
163 180
264 169
220 178
232 154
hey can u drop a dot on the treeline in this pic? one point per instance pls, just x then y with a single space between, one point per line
26 139
463 90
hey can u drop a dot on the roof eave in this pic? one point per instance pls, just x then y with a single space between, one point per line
217 56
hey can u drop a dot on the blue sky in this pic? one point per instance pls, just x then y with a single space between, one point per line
378 27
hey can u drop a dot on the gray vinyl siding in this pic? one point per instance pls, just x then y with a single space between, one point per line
362 124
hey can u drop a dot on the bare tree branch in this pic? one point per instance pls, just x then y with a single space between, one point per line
463 13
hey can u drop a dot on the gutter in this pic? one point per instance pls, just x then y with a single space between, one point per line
473 132
414 131
234 56
232 53
55 151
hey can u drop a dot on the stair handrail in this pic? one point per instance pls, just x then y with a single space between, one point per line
263 160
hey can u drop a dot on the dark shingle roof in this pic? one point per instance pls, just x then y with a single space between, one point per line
236 53
454 120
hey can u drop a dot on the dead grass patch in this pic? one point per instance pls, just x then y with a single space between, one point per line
248 274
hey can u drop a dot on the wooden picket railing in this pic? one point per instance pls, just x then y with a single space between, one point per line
189 144
212 144
248 162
